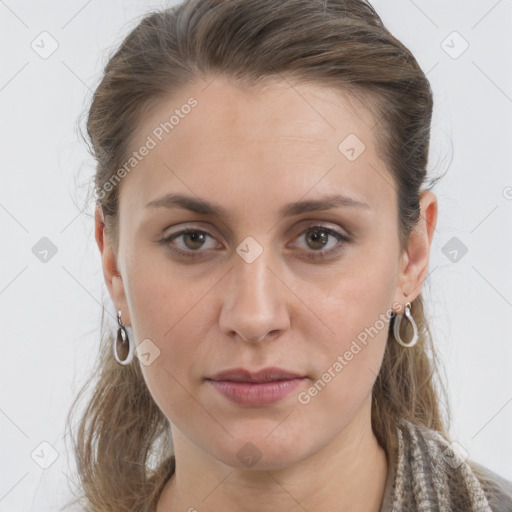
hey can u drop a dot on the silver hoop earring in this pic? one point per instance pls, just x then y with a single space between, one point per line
396 327
123 343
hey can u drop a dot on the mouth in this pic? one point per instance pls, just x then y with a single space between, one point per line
269 374
259 388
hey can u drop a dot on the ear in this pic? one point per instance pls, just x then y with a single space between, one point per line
414 265
110 269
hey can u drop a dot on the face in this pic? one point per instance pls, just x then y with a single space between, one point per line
260 283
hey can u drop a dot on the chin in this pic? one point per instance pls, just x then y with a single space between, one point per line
261 452
251 458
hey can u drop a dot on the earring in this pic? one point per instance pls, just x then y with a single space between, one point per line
124 343
396 327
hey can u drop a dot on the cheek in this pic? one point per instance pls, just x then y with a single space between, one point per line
359 304
172 314
358 312
172 378
160 295
350 362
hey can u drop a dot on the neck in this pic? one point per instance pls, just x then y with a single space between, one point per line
348 474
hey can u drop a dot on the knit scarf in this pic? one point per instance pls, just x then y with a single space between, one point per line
430 475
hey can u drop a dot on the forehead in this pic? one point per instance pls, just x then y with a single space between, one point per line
283 139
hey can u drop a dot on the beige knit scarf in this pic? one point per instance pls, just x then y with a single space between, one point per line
430 475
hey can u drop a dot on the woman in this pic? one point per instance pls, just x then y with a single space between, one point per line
265 227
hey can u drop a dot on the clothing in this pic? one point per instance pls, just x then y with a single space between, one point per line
429 476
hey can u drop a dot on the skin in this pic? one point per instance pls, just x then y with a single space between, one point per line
252 153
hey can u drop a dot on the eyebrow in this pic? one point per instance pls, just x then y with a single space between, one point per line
196 205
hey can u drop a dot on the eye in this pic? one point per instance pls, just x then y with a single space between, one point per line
324 241
191 241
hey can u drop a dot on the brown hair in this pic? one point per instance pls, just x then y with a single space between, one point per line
122 442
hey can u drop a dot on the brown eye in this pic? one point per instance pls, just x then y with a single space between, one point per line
190 241
317 238
194 240
321 243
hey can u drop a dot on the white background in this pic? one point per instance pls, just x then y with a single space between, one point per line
50 312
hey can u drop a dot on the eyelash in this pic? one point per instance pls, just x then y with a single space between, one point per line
313 255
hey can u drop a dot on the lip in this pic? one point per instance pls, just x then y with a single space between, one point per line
263 387
269 374
256 393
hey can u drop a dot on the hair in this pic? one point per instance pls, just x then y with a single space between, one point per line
122 444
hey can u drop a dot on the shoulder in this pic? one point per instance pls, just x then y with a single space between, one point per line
427 459
498 490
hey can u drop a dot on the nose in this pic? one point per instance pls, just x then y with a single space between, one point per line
255 304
